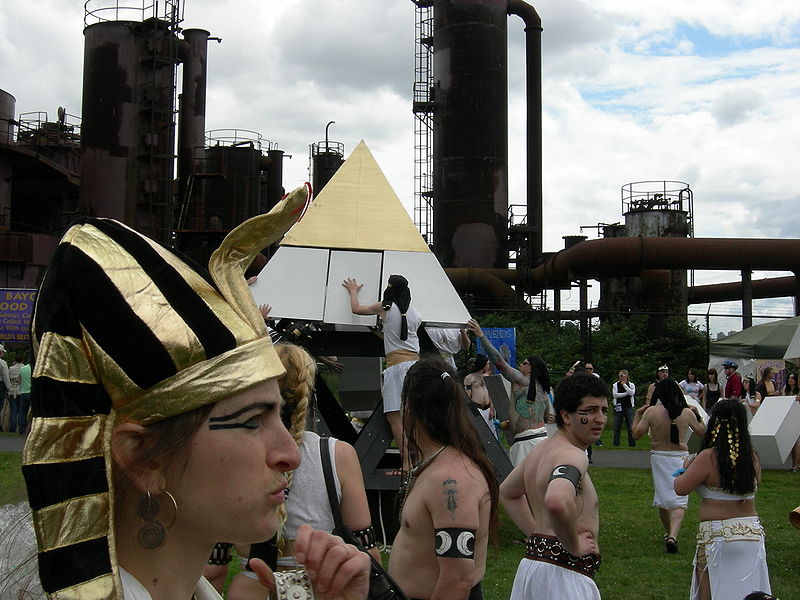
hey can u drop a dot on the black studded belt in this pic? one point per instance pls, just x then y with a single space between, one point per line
547 548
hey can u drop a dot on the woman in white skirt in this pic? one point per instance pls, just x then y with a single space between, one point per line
730 560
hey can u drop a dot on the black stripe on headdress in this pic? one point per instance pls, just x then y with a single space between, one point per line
52 398
64 567
215 337
51 483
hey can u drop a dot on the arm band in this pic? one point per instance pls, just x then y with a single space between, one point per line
366 537
568 472
453 542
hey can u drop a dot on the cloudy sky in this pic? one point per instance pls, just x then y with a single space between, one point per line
702 92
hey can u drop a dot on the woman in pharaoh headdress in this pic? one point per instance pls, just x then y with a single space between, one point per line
730 560
156 419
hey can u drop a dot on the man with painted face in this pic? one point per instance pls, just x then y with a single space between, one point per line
551 498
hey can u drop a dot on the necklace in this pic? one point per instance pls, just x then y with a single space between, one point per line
414 472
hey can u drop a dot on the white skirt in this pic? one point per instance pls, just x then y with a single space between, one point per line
546 581
520 449
732 552
393 378
663 463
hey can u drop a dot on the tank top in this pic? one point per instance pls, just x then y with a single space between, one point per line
391 330
711 397
308 498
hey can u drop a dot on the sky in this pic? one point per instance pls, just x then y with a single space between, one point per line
633 90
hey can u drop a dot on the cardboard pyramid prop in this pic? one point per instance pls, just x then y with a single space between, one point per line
356 227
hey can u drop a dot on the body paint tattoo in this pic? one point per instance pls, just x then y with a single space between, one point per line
451 495
584 421
220 422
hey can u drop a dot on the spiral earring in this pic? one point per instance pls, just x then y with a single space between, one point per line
152 532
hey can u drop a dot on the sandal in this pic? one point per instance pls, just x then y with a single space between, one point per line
671 544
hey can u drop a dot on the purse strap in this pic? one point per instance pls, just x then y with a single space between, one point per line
327 471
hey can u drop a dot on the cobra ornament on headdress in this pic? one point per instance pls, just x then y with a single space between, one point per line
125 330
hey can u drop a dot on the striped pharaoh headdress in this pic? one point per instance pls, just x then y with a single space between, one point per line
124 330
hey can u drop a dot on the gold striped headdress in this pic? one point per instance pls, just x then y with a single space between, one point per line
124 330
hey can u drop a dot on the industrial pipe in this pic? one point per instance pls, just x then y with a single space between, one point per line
533 86
618 257
774 287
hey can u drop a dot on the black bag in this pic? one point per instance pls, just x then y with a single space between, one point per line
381 585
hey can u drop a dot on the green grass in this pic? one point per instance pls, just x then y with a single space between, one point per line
635 566
12 487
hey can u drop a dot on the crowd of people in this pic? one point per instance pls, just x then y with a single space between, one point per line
204 449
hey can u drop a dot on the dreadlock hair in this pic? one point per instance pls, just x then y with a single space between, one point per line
727 434
539 375
397 293
296 386
433 400
671 396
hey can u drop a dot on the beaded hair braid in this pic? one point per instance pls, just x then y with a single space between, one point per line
728 436
296 387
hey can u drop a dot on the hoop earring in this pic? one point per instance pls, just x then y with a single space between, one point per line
152 533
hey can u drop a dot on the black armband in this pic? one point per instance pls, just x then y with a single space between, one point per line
568 472
221 554
366 537
455 543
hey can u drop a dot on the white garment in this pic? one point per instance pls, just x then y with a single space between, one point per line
393 378
308 498
447 342
663 463
735 558
537 580
133 590
391 330
520 449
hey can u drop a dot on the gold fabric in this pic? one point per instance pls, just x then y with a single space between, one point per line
397 356
72 521
99 587
63 358
65 439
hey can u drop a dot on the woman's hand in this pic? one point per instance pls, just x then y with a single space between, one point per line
336 569
352 285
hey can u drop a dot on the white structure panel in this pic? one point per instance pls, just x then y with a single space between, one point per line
432 294
293 283
775 428
366 268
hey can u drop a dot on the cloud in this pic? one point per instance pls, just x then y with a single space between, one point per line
735 105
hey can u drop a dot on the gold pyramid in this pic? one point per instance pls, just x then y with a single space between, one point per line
357 210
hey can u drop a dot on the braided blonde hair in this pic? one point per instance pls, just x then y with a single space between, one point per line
296 387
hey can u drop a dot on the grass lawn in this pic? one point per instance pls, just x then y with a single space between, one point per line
635 566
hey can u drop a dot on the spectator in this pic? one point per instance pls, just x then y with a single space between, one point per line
691 386
733 381
711 391
661 373
624 392
750 397
791 389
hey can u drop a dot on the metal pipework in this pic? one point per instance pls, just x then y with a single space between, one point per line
533 92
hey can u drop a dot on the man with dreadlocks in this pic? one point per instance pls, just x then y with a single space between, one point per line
450 499
400 343
667 420
731 559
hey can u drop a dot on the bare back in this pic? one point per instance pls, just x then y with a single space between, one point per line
659 422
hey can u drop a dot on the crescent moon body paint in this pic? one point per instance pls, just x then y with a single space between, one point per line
464 546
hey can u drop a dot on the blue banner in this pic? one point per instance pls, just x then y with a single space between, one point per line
16 307
504 339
